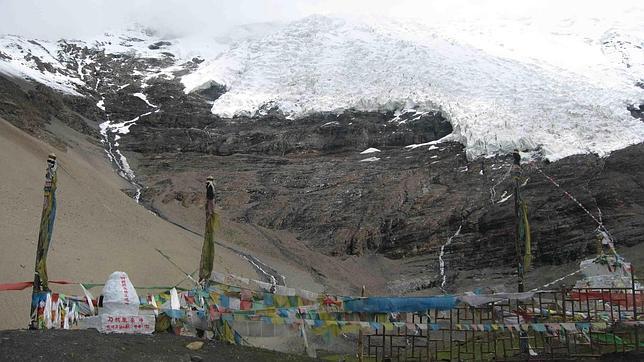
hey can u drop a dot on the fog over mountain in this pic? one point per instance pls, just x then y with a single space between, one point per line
79 18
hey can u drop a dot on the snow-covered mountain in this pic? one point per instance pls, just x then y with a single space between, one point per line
74 66
38 61
495 102
498 95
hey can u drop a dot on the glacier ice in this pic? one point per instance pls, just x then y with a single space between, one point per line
495 103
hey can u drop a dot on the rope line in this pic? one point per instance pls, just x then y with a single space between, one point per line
556 280
599 222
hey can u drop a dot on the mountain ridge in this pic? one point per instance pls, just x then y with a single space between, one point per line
495 102
298 191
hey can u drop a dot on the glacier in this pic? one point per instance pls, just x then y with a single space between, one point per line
496 99
501 84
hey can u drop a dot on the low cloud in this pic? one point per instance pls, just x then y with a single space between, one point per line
54 19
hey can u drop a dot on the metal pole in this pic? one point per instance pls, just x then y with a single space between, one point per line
637 327
384 342
429 353
360 335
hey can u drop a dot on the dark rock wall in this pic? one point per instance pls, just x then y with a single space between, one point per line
306 176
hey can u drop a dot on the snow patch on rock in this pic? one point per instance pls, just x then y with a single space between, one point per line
370 159
369 150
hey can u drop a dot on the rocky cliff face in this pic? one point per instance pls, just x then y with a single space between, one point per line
405 204
310 178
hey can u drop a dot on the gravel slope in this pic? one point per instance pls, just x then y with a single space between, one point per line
98 229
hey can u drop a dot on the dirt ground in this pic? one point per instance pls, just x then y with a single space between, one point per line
84 345
98 229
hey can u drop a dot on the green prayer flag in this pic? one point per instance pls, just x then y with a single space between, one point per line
48 216
212 224
524 234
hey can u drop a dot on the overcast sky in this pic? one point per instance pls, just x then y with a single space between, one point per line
53 19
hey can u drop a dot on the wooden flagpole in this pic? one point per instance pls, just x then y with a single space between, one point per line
47 218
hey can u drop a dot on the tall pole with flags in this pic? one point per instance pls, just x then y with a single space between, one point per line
47 218
212 222
522 236
523 242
